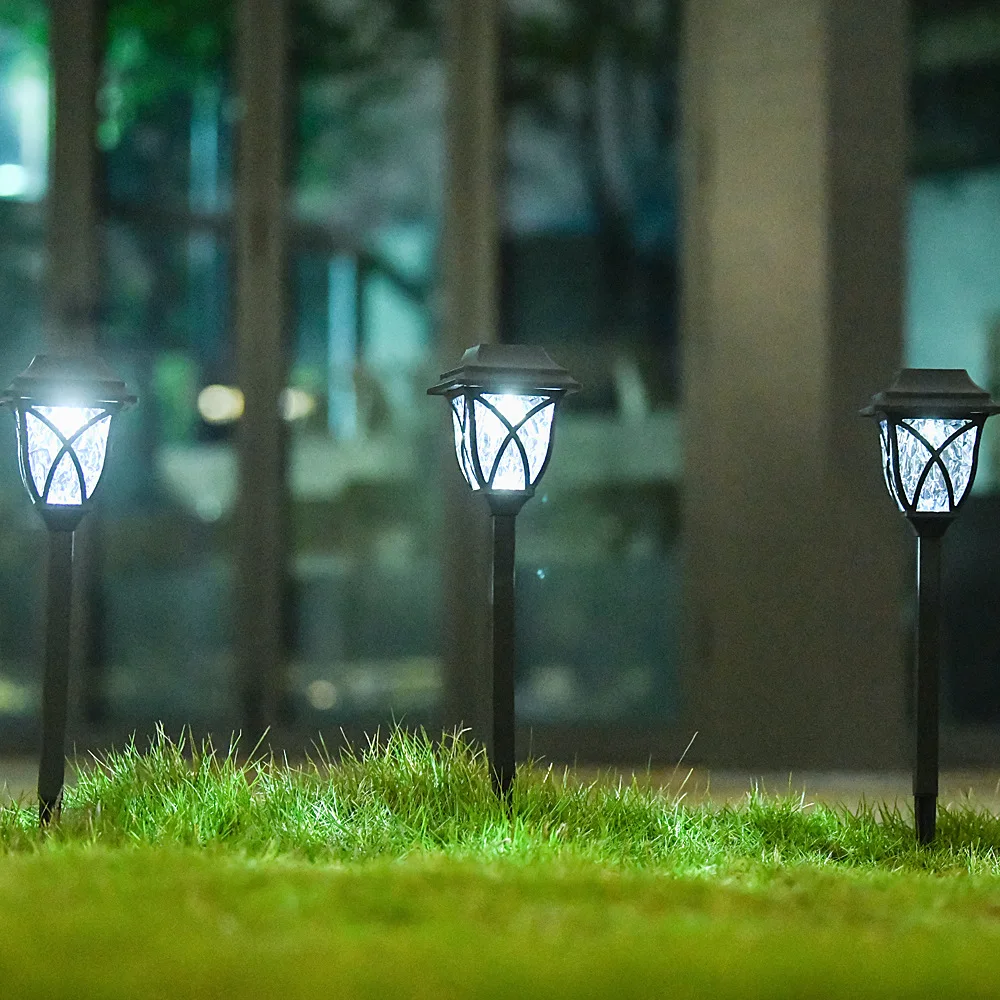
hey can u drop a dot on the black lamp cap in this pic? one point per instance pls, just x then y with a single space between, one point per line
82 379
932 392
506 368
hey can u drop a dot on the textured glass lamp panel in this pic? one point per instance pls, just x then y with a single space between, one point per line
947 443
890 482
463 440
52 432
507 415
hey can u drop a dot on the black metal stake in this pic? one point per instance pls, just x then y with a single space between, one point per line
502 627
52 770
925 769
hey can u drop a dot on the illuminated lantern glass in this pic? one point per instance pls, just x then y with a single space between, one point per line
65 447
64 406
509 435
930 426
503 400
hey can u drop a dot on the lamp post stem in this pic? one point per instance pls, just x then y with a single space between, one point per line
52 770
502 627
925 770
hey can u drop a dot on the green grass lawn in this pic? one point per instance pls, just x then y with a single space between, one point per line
395 873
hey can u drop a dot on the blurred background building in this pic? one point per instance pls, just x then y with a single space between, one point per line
280 221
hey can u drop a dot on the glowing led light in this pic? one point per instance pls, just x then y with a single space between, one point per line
297 404
14 180
220 404
322 695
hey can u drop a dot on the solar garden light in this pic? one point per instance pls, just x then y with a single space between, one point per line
503 400
930 422
64 405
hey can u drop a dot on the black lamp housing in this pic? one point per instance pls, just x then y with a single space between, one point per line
64 380
503 447
930 424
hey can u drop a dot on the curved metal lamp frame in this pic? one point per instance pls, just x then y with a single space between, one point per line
894 479
61 517
470 459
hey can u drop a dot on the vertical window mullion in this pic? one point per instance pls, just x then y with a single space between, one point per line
262 548
471 277
73 283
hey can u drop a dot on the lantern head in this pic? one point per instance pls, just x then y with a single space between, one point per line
930 423
64 405
503 399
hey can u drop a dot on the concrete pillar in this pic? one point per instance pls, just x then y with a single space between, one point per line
470 270
793 267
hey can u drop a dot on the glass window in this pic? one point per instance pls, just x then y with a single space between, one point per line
365 205
24 101
24 134
166 104
166 559
953 307
168 501
590 271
